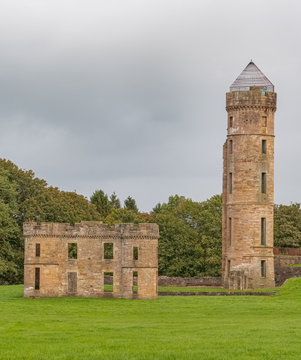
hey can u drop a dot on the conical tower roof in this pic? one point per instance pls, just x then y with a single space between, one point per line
251 76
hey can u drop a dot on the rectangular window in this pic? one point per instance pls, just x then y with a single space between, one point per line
72 251
108 279
230 230
263 183
135 282
108 251
231 146
37 279
135 253
231 121
263 231
263 268
230 183
264 121
38 250
229 267
264 146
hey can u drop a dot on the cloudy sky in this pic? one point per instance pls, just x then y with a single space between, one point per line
129 95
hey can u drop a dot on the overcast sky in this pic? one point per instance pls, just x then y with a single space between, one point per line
129 95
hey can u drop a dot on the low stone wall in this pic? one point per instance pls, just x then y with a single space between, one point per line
189 281
283 259
215 293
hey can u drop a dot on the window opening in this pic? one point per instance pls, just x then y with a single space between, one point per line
263 183
263 268
229 267
38 250
37 279
231 121
263 231
264 146
108 251
135 282
108 281
231 146
230 183
135 252
230 231
72 251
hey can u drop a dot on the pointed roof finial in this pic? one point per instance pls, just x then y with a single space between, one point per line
251 76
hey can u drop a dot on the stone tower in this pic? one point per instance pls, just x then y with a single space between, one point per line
248 182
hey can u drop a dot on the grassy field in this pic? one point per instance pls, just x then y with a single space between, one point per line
167 328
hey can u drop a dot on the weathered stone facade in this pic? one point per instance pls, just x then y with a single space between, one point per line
65 260
248 188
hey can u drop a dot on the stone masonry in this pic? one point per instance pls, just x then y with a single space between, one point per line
66 260
248 183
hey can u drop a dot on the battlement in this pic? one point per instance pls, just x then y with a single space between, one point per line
256 97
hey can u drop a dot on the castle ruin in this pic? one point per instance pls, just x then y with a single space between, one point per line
66 260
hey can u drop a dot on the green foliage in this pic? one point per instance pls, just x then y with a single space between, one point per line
190 237
130 204
102 203
287 225
115 202
24 197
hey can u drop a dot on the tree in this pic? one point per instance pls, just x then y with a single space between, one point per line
102 203
130 204
115 202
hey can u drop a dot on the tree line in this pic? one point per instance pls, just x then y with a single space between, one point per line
190 231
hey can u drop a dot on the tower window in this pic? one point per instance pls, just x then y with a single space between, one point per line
231 146
38 250
37 279
264 121
230 183
263 231
231 121
264 146
229 267
263 183
230 230
263 268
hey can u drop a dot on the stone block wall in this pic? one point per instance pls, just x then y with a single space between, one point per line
52 272
283 259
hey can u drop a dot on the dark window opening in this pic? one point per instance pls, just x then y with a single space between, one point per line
230 230
37 279
229 267
263 268
38 250
108 251
264 121
263 183
230 183
108 282
72 251
135 253
231 146
231 121
263 231
264 146
135 282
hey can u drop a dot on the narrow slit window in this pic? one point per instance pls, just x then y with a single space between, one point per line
264 121
230 183
72 251
264 146
263 268
37 279
229 267
263 231
38 250
230 230
231 146
135 253
108 251
263 183
135 282
231 121
108 279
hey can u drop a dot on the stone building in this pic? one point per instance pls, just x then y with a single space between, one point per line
65 260
248 182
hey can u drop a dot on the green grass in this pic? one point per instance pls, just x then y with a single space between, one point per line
295 265
170 328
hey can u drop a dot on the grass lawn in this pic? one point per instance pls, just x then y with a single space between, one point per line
197 327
